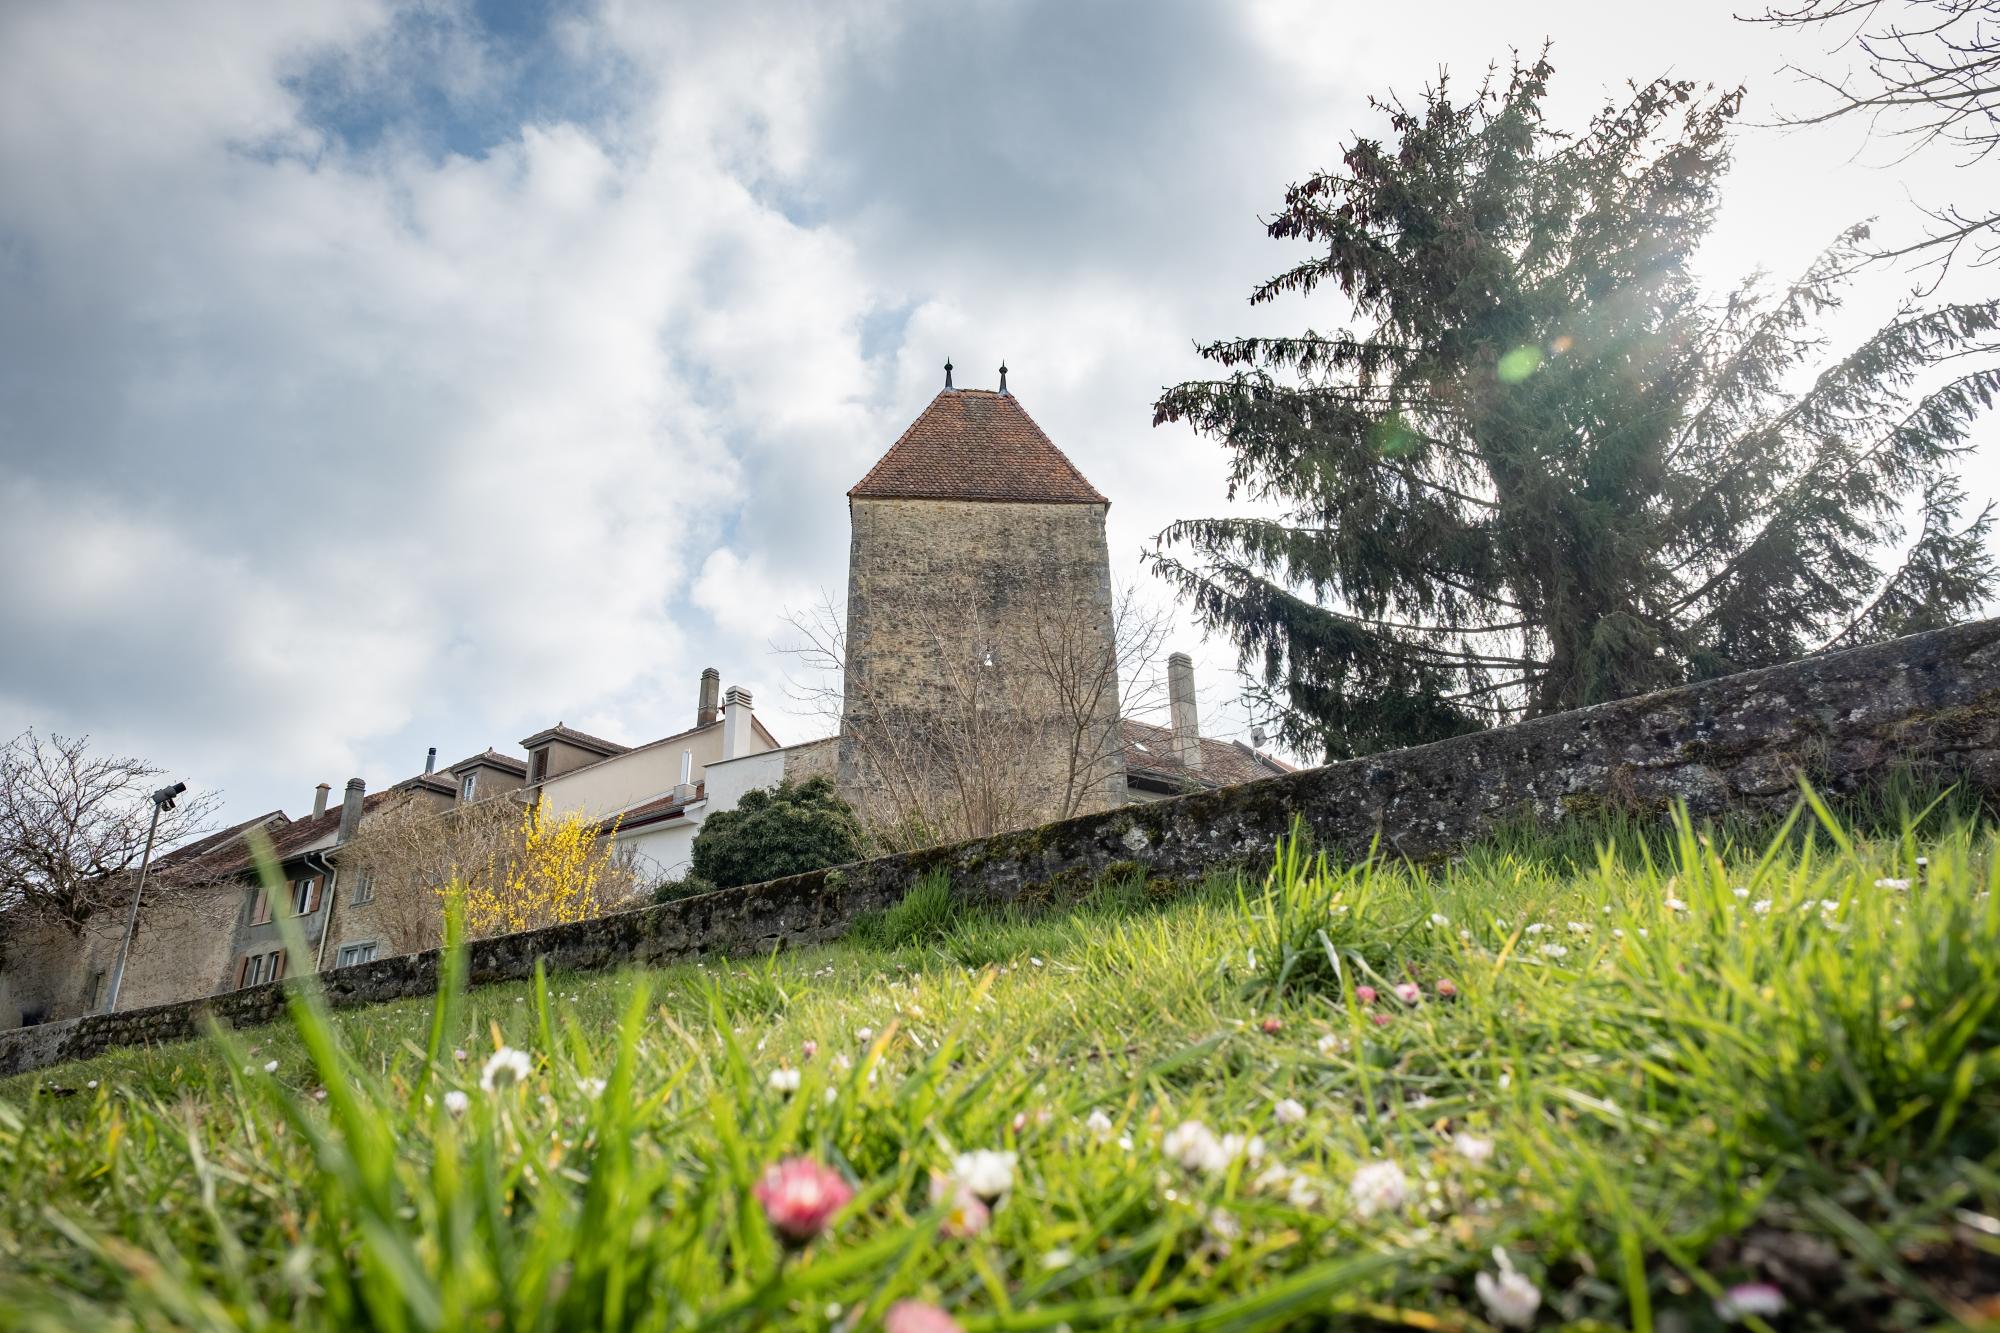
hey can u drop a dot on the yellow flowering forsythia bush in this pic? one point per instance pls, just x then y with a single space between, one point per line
556 870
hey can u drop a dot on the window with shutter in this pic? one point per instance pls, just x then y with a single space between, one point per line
277 965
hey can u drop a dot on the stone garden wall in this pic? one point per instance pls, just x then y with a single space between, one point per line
1847 721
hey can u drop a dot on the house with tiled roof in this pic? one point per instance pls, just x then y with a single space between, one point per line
650 799
179 943
488 773
1173 760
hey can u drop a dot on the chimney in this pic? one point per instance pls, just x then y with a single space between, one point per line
711 687
431 761
319 799
1180 701
735 722
350 809
684 789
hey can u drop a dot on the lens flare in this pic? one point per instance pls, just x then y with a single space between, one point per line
1518 364
1392 437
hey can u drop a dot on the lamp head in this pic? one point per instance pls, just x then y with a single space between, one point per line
164 797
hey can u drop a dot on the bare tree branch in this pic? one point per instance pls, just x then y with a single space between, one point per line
1930 75
73 829
1020 729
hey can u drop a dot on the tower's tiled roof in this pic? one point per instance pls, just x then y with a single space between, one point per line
973 444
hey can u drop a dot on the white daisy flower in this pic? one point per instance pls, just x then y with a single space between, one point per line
1222 1228
1511 1300
1472 1148
504 1068
1195 1146
1378 1187
1750 1298
984 1172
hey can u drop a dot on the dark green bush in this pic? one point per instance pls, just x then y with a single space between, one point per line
786 830
687 886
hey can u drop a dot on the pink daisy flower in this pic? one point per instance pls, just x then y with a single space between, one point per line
799 1197
918 1317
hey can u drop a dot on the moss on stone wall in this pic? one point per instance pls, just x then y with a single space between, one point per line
1928 705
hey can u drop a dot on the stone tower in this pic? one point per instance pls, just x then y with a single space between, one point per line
981 688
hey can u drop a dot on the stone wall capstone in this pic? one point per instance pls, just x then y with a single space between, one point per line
1928 704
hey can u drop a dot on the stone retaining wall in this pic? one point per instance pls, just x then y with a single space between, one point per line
1847 721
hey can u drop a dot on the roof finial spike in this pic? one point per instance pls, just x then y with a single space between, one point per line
947 372
1003 377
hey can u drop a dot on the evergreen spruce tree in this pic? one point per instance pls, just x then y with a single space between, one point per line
1546 470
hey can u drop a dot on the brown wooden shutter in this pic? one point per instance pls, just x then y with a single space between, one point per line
242 971
260 911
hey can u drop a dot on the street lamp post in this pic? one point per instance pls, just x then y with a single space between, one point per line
163 799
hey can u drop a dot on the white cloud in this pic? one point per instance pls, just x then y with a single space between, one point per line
324 442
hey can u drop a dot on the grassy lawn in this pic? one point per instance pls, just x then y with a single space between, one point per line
1655 1088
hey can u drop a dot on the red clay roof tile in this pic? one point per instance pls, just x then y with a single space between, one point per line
1149 752
974 444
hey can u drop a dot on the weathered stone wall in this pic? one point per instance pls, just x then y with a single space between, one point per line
964 619
1848 721
179 948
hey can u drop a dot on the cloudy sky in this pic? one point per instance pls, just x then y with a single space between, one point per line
378 376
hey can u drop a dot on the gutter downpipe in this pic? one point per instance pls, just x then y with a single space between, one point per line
332 873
